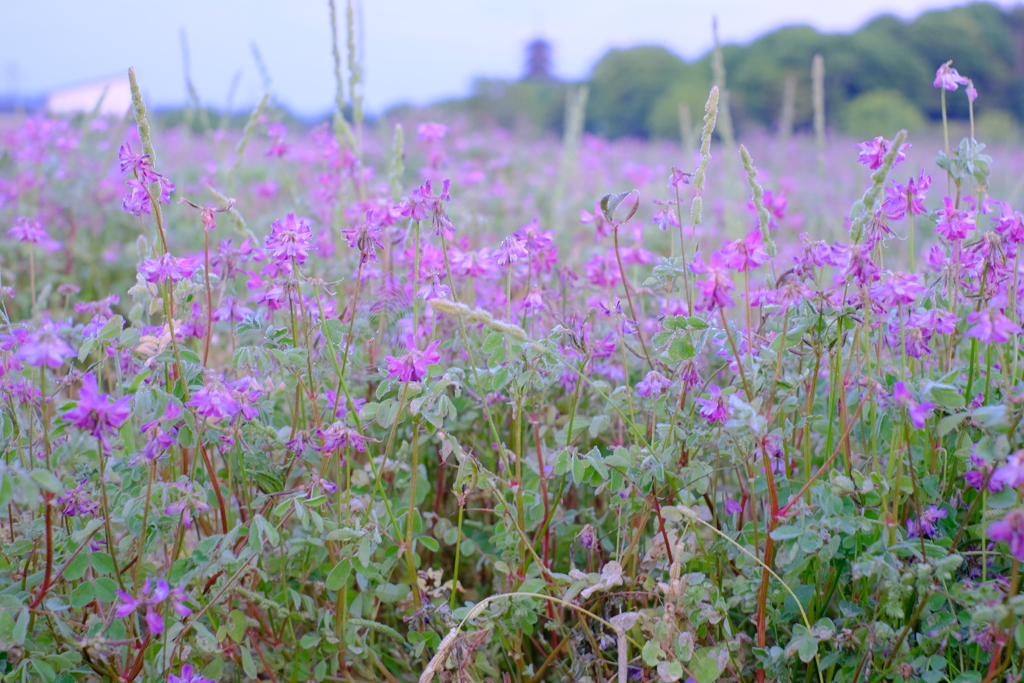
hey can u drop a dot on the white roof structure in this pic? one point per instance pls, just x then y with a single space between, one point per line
83 97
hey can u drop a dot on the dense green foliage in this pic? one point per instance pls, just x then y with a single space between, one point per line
638 91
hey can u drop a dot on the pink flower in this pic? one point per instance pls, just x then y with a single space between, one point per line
1011 530
431 132
899 288
666 215
714 409
714 291
189 675
953 223
289 238
1013 471
653 385
215 400
678 178
601 227
947 78
918 412
132 162
166 268
44 347
509 251
412 367
26 230
926 526
338 435
991 326
98 413
745 254
872 152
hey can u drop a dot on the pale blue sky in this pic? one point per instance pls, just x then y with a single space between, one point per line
415 50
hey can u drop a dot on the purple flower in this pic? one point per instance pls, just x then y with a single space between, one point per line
511 250
1013 471
168 268
918 412
714 291
132 162
190 501
898 288
533 238
189 675
289 238
953 223
77 501
926 527
745 254
653 385
98 413
150 598
338 435
44 347
601 227
972 94
412 367
1011 530
991 326
678 178
732 507
431 132
947 78
900 198
588 537
873 151
423 202
976 478
27 230
714 408
215 400
666 215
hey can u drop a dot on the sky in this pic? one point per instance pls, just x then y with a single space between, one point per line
414 51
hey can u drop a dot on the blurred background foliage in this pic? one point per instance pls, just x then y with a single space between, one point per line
877 78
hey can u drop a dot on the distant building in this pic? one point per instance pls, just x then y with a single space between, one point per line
82 98
538 60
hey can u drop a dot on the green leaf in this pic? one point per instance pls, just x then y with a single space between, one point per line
267 529
236 628
949 423
429 543
704 669
786 532
189 356
111 329
808 648
652 654
102 563
83 595
248 664
309 641
76 568
20 628
946 395
85 349
48 481
105 589
339 575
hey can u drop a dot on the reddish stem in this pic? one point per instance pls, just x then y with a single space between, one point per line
45 586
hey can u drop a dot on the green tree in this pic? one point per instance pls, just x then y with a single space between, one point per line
626 84
881 112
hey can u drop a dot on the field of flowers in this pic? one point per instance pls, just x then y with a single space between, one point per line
359 404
